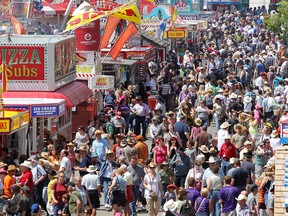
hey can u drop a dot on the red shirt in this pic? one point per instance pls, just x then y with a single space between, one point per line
227 151
60 190
27 179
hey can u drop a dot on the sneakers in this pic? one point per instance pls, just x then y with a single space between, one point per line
108 207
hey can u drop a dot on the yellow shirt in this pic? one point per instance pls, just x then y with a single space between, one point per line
49 189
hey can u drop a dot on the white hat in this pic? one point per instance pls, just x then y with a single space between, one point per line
224 125
247 99
212 160
232 160
123 166
241 197
27 164
199 157
170 205
220 90
227 136
233 96
91 169
247 143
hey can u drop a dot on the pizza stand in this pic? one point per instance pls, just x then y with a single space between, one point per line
41 67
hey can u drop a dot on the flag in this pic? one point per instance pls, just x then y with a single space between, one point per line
130 30
4 78
110 26
18 27
174 14
127 11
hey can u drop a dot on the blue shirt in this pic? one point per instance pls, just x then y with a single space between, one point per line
180 127
260 67
99 148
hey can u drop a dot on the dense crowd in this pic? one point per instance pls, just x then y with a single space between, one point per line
213 135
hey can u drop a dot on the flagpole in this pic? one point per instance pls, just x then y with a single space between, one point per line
105 56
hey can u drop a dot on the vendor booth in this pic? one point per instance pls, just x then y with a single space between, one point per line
38 68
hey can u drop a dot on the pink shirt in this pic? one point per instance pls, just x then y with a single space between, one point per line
161 154
256 113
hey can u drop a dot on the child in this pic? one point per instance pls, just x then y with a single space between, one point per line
170 193
65 210
257 114
167 177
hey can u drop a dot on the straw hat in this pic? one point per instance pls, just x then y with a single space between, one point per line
11 168
170 113
198 122
212 160
83 148
91 169
241 197
238 126
70 144
224 125
233 96
247 143
109 152
26 164
2 164
204 149
152 165
247 99
45 155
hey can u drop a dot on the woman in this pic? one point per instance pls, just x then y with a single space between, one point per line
196 172
214 185
153 190
263 153
125 112
71 154
203 113
81 138
200 95
117 191
160 153
203 205
183 94
196 129
170 132
219 113
54 158
172 147
170 117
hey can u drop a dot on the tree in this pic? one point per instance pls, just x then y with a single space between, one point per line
278 23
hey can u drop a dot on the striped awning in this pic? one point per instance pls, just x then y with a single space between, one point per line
50 9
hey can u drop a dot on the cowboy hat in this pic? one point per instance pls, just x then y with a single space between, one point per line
274 133
247 143
26 164
227 137
170 113
70 144
83 148
45 155
172 186
237 126
11 167
247 99
109 152
241 197
212 160
220 90
203 149
91 169
233 96
165 163
152 165
224 125
198 121
232 161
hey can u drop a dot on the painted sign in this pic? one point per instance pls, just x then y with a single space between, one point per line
155 13
176 34
229 2
284 128
23 62
15 123
64 59
4 125
101 82
88 36
186 7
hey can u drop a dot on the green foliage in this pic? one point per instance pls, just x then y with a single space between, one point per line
278 23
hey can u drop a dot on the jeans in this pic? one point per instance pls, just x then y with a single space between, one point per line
56 208
205 122
225 166
140 121
136 193
215 115
38 198
180 180
216 205
105 183
127 121
164 189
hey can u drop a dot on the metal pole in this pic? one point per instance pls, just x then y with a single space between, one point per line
67 12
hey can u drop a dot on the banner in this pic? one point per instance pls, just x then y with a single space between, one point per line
101 82
18 27
110 26
127 11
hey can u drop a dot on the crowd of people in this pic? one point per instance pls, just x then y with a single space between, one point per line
213 135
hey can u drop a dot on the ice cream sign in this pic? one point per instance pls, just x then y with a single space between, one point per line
23 62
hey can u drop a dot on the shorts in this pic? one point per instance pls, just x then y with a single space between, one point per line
270 203
94 198
119 198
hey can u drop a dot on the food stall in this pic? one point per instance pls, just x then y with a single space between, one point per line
39 67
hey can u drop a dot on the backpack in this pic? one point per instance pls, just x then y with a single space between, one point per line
186 209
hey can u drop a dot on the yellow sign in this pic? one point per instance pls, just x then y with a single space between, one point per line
176 34
25 119
15 123
127 11
85 69
4 125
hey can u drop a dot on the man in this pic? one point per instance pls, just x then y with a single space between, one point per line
99 146
203 137
162 127
249 166
247 147
227 151
223 132
40 180
181 164
252 199
26 179
130 149
142 114
138 175
9 180
182 129
85 161
243 209
239 177
231 170
232 121
76 206
227 197
267 105
142 150
65 165
57 192
119 123
239 137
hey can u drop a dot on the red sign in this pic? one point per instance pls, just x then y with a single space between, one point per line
88 36
23 62
5 6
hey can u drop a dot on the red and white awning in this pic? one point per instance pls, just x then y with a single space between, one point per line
50 9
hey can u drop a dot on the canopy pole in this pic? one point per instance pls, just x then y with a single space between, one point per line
67 12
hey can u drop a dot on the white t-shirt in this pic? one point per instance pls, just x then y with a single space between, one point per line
220 135
66 164
154 183
90 181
